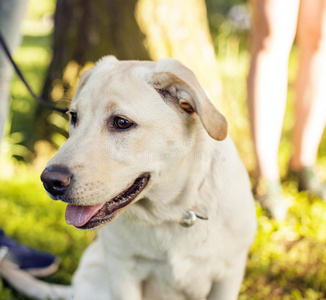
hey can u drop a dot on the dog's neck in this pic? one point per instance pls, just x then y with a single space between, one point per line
183 201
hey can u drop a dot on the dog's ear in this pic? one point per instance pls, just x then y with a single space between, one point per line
174 78
108 60
82 81
85 76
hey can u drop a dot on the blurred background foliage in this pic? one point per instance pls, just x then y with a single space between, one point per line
61 39
53 57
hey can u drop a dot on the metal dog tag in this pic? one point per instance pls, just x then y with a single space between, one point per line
189 219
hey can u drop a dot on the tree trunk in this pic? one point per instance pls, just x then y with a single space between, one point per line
179 29
84 32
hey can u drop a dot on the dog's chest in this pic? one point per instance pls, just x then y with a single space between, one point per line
170 266
177 278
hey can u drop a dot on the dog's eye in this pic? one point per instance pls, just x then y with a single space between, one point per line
73 117
122 123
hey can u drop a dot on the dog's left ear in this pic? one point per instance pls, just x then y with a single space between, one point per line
170 76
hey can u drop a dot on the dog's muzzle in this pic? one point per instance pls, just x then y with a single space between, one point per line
56 180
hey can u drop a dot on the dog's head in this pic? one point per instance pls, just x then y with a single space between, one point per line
128 124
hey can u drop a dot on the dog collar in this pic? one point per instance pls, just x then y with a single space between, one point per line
190 219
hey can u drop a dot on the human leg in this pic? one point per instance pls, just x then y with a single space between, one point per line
272 35
310 105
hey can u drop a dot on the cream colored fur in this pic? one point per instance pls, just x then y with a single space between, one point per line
181 140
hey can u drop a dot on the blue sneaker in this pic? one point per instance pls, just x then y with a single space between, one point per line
36 263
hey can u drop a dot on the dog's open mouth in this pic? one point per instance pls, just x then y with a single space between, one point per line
89 217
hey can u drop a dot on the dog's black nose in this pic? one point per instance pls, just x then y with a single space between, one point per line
56 179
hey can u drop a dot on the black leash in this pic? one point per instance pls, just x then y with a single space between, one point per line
47 104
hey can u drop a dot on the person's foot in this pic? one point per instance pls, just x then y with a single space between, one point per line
36 263
307 181
270 195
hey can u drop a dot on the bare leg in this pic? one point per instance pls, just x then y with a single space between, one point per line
310 106
273 32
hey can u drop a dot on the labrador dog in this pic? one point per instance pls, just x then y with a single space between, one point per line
150 166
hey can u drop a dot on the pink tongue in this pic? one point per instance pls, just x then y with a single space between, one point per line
80 215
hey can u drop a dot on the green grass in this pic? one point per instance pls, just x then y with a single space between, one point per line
287 260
